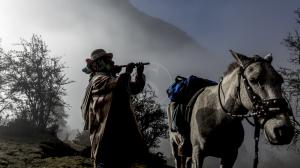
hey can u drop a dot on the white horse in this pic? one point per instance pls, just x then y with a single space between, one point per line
250 87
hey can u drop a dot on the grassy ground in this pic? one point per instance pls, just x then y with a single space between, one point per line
30 153
42 152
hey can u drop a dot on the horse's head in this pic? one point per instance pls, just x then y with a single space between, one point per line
261 93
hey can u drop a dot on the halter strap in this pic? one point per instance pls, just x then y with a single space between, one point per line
260 107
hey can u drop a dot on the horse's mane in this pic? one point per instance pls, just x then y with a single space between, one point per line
230 68
234 65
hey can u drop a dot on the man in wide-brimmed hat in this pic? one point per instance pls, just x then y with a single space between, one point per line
100 61
115 138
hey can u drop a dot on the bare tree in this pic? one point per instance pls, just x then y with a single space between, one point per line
36 82
291 74
150 116
1 83
292 42
4 96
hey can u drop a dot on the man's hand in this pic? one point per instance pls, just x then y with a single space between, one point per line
140 68
117 69
130 67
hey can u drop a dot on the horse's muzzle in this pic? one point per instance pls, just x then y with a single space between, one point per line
280 135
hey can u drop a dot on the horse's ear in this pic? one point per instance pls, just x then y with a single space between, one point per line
240 58
269 57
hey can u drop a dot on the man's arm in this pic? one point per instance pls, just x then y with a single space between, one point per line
110 84
138 85
123 82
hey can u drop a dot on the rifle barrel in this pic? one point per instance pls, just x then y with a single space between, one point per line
136 64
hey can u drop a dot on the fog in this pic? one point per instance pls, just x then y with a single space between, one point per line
176 37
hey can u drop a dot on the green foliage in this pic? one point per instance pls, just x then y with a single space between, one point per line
150 116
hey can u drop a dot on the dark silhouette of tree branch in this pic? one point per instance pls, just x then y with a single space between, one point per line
36 82
4 90
291 74
150 116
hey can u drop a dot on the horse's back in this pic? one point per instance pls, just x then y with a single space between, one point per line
212 128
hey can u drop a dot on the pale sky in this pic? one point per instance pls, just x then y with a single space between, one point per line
178 37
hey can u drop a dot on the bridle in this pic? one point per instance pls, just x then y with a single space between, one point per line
260 107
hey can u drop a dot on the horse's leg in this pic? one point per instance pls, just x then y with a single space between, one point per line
177 160
188 162
173 137
197 157
183 161
227 161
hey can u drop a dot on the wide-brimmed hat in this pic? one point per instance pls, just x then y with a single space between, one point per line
100 53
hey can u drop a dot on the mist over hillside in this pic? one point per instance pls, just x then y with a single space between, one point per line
72 29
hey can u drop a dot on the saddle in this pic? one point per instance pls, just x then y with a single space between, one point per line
182 114
184 92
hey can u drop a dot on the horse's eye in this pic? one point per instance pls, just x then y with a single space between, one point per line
281 80
253 80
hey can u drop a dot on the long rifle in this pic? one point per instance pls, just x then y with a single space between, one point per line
136 64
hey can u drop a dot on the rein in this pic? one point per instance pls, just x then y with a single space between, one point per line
252 114
260 107
266 108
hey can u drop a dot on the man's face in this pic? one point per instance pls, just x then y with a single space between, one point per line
109 63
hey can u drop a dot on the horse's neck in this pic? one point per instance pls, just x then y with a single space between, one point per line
229 93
